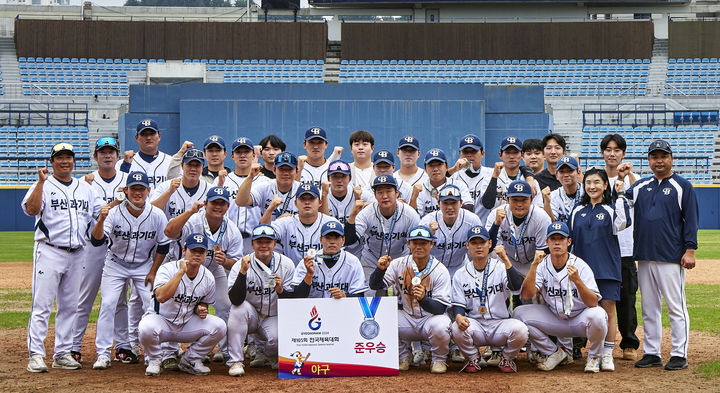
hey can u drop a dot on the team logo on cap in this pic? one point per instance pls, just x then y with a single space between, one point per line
382 179
519 187
214 138
600 216
558 226
469 139
199 238
137 177
331 225
383 154
409 139
565 159
147 123
315 130
219 191
477 230
434 153
666 191
306 187
511 139
242 140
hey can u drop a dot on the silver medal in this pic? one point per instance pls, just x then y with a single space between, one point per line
369 329
311 253
270 282
434 193
120 195
415 280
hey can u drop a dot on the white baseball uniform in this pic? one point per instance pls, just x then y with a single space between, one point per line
562 205
176 320
263 194
503 182
245 217
427 203
476 182
449 245
133 242
295 238
340 209
404 188
521 241
258 311
494 326
419 176
315 174
346 274
550 319
66 212
156 169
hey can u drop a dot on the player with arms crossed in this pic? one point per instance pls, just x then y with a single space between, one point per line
480 298
182 293
567 285
137 247
149 159
63 208
424 287
255 283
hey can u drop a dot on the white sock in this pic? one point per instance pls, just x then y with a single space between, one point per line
608 347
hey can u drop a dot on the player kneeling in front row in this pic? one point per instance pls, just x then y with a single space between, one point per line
254 287
182 292
424 285
568 286
480 299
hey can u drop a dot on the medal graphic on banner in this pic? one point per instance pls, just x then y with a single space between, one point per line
369 328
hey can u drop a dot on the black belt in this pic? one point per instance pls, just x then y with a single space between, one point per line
66 249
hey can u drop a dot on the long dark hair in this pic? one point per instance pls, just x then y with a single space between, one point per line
607 194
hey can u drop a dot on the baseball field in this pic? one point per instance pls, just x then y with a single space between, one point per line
703 296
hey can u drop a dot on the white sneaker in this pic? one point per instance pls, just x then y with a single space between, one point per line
592 365
153 369
195 369
260 360
102 363
135 349
438 368
36 364
456 356
607 363
553 360
237 370
418 358
66 362
219 357
494 359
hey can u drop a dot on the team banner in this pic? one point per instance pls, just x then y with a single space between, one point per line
348 337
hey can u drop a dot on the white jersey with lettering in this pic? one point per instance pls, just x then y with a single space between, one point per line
404 188
107 188
435 278
625 237
553 285
227 236
450 241
262 195
476 182
156 170
427 203
179 309
315 174
66 212
346 274
341 208
504 181
419 177
562 204
135 239
295 238
380 235
262 298
468 282
245 217
521 241
180 200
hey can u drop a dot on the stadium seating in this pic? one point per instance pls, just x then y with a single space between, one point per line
74 76
693 77
269 71
591 77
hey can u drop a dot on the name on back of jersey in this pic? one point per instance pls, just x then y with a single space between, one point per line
65 204
127 235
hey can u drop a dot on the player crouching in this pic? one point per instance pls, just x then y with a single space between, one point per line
480 298
255 284
424 285
568 286
182 291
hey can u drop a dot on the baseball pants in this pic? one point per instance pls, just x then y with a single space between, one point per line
510 334
542 323
116 275
93 262
626 313
56 276
666 280
203 334
434 328
135 313
244 319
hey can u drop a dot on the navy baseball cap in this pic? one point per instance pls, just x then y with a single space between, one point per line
218 192
264 231
449 191
435 155
332 227
478 231
558 227
196 240
137 177
214 140
242 142
307 188
147 124
519 188
420 232
384 180
410 141
193 154
383 156
511 141
339 166
61 147
472 141
315 132
286 158
660 145
107 142
568 161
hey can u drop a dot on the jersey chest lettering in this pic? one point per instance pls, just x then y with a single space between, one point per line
326 286
379 236
258 289
70 204
505 236
562 292
185 299
128 235
449 245
471 293
302 247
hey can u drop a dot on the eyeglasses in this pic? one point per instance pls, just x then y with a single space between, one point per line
449 191
420 232
264 231
339 166
102 142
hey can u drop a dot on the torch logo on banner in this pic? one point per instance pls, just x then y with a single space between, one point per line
315 321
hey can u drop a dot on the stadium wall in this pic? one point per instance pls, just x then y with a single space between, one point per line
170 40
694 39
562 40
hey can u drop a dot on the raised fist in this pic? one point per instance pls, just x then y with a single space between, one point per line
498 167
128 156
43 174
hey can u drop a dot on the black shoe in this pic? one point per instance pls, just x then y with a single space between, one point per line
577 354
676 363
126 356
77 356
648 361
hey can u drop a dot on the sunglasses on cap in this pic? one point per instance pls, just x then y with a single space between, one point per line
339 166
284 158
102 142
449 191
264 231
420 232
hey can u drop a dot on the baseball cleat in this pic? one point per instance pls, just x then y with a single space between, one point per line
488 352
153 369
592 365
102 363
472 366
170 364
676 363
36 364
569 359
418 358
66 362
126 356
494 359
577 354
195 369
438 368
250 351
456 356
629 354
260 360
553 360
135 349
237 370
534 357
507 365
649 361
404 364
607 363
77 356
220 358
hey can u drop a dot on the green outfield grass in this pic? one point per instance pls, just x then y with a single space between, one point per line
709 244
710 369
16 246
